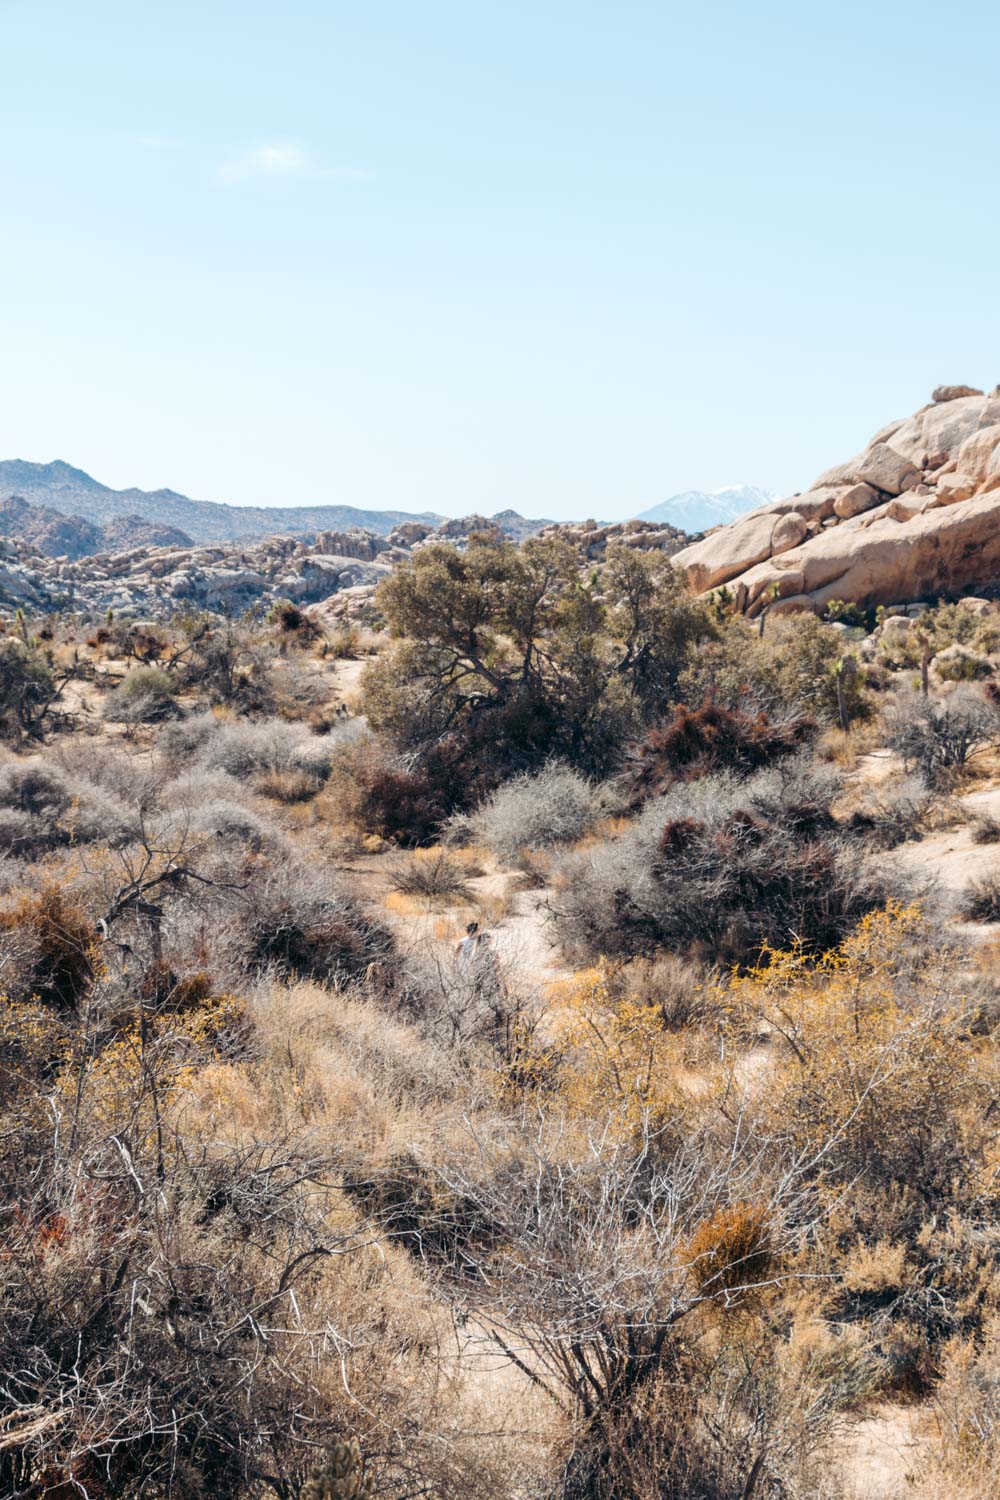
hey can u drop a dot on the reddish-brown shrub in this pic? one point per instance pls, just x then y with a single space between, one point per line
59 946
680 835
697 741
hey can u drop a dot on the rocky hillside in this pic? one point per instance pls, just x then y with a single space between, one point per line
59 535
71 492
915 514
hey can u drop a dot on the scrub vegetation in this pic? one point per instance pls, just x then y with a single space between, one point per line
686 1172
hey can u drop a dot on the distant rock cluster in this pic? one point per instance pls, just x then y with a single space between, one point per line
915 514
155 577
153 580
644 536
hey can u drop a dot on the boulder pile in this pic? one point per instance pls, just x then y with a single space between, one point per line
153 581
915 514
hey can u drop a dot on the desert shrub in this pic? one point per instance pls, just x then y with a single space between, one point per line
234 824
345 643
402 805
679 990
981 900
892 816
590 1280
146 696
807 659
27 686
938 738
967 1403
720 866
697 741
940 630
408 799
186 790
985 829
43 806
222 1393
554 806
845 612
179 744
959 664
408 1199
228 668
517 651
791 670
875 1035
49 949
137 640
290 620
19 831
287 786
302 922
432 874
108 767
244 748
730 1250
339 1475
751 1418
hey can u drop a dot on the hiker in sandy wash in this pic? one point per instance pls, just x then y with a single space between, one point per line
475 957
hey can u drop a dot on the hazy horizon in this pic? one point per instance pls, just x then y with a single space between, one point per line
460 259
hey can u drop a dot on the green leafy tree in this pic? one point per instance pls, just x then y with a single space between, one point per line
530 650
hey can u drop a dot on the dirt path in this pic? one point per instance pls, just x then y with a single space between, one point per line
882 1456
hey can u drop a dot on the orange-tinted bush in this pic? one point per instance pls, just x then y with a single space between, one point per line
730 1250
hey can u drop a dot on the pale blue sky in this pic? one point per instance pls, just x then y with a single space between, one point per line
569 257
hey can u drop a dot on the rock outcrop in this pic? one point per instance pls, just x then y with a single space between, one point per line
915 514
160 580
645 536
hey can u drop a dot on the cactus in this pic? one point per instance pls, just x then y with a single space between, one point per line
338 1476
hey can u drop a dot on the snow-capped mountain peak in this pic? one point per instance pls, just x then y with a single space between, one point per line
697 510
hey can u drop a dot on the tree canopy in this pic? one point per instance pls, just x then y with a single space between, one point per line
531 646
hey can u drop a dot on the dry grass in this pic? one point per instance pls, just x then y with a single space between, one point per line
844 748
434 875
985 829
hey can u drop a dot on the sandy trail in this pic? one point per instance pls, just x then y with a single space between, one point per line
883 1455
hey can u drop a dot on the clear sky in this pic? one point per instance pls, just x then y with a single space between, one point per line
567 257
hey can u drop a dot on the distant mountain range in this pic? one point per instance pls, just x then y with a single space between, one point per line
72 492
697 510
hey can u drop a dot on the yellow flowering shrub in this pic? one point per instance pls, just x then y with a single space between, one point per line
875 1074
618 1056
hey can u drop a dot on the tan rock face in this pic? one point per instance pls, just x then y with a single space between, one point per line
938 431
980 453
904 508
917 513
952 392
855 500
884 468
789 532
728 551
942 550
955 486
